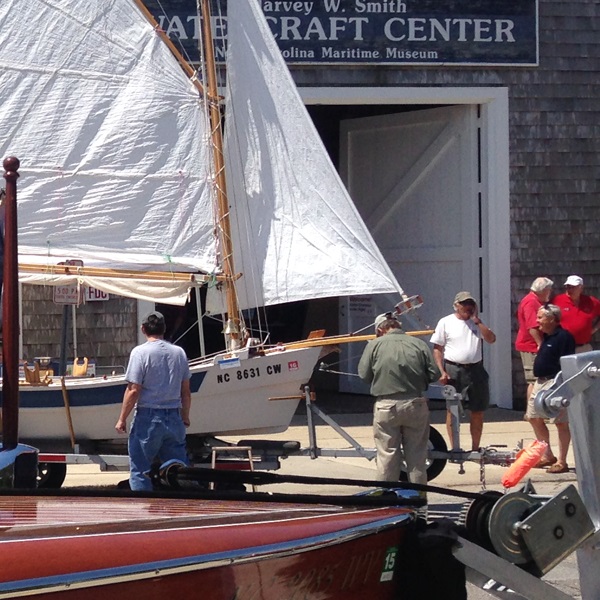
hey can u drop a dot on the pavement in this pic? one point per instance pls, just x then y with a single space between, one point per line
504 429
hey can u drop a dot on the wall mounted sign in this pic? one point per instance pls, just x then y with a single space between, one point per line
382 32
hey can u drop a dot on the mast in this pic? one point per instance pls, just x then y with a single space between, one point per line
233 325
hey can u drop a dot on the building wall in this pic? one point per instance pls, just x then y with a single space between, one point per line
554 173
106 331
554 128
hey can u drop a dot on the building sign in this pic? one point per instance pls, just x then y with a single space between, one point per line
384 32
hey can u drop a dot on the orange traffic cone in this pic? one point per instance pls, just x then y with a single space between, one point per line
526 459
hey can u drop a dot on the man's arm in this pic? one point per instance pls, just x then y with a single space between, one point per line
438 355
486 333
130 398
433 371
596 319
186 402
536 334
365 369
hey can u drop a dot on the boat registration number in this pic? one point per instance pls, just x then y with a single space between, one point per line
250 373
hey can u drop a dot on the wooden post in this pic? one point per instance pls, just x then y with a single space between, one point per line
10 311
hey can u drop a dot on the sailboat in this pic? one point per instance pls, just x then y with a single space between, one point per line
132 545
123 172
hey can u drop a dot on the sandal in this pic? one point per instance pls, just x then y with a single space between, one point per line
558 468
546 462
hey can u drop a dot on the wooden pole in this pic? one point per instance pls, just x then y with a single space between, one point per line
65 395
234 324
10 311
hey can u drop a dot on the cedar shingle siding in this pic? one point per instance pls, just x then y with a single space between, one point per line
554 146
106 331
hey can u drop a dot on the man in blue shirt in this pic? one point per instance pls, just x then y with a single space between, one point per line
556 342
158 387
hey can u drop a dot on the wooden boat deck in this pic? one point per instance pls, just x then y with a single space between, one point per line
90 547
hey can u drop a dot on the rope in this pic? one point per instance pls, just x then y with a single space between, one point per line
264 478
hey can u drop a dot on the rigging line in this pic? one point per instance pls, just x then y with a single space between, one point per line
184 63
194 324
181 47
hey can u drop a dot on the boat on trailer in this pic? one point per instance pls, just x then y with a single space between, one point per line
127 171
124 545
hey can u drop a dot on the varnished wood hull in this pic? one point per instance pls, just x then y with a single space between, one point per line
155 548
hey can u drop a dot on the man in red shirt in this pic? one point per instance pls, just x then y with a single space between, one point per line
580 313
529 337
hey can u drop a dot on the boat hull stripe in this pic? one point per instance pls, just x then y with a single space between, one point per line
85 396
108 576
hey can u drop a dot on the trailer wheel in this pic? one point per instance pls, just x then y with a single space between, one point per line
437 465
51 475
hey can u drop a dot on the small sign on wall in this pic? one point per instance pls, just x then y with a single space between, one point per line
95 295
66 294
73 294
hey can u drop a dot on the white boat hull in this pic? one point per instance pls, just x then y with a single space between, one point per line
228 397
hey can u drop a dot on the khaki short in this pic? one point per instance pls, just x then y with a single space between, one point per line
538 386
527 359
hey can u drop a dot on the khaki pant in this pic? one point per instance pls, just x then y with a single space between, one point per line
401 426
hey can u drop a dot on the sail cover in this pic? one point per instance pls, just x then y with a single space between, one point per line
297 233
112 139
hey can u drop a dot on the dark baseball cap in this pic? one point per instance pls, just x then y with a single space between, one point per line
154 318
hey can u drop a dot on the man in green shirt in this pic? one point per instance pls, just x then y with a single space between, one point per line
399 368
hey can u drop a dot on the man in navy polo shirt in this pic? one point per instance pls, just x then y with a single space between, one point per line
556 342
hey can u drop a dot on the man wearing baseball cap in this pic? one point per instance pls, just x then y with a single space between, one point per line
457 352
580 313
399 368
158 388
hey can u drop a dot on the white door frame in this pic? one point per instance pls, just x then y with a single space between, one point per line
493 103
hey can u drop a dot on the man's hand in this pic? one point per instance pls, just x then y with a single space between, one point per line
121 426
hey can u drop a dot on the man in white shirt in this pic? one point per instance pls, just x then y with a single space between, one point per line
457 353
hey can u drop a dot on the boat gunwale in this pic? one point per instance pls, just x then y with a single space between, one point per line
188 564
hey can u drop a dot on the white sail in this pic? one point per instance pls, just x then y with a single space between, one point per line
297 233
112 138
116 166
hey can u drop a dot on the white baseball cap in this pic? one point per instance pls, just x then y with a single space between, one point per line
382 318
573 280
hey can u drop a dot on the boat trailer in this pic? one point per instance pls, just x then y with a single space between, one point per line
253 454
506 541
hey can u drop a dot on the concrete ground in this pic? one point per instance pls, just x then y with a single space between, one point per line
504 429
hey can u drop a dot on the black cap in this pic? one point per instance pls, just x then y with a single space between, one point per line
154 318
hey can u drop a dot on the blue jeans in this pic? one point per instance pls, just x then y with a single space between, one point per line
155 433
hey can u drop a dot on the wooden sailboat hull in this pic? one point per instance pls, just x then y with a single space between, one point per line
156 548
228 397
